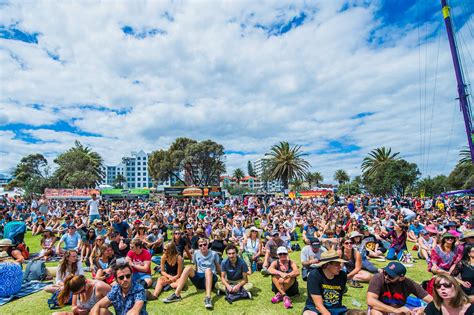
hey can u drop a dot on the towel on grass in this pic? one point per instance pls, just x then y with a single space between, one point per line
27 288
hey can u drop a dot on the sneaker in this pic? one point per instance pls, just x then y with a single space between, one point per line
208 302
265 272
250 295
277 298
287 302
172 298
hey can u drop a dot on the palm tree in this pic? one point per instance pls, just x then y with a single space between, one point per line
238 175
296 184
309 179
465 157
286 163
376 159
318 178
341 177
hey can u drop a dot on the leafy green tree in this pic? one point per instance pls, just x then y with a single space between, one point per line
394 177
341 177
376 159
31 174
286 163
202 162
461 177
250 169
119 181
79 167
238 175
431 186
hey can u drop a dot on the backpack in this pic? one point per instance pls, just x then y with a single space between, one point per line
406 258
295 247
35 270
25 251
235 296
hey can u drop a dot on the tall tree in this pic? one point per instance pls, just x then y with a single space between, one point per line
238 175
286 163
250 169
202 162
462 177
31 174
79 167
341 177
309 178
376 159
119 181
296 184
464 156
318 178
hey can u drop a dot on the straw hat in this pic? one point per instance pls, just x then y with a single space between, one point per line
3 255
467 234
329 256
6 242
355 234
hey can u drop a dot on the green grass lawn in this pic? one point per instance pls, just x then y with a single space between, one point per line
193 300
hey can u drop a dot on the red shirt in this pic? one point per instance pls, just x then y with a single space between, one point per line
140 259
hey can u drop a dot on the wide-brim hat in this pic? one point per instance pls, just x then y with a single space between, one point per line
447 234
253 228
6 242
355 234
329 256
96 221
467 234
431 228
3 255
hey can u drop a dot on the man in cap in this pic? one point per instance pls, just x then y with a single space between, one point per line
326 285
310 256
388 291
309 231
271 250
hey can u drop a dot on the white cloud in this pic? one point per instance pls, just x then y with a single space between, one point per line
215 75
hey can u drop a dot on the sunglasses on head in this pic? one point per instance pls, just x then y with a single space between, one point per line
445 285
128 276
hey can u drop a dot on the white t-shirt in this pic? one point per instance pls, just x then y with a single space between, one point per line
93 207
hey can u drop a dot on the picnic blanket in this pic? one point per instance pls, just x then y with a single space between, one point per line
27 288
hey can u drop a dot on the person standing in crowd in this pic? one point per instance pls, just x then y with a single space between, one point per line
93 206
127 297
388 291
326 286
448 298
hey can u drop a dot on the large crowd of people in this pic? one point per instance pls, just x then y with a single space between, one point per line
219 243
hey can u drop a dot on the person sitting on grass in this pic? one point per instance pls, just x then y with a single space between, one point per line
127 297
72 241
234 279
310 256
85 294
171 269
398 237
326 285
353 267
414 231
271 250
426 243
47 244
6 245
284 273
388 291
103 265
252 248
448 298
70 265
202 274
140 260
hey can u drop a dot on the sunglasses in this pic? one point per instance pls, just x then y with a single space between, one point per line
388 276
202 245
282 254
128 276
449 238
445 285
347 243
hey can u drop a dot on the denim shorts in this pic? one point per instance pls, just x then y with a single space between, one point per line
137 276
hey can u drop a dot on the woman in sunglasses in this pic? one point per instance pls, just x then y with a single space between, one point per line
353 266
448 298
171 269
85 294
444 256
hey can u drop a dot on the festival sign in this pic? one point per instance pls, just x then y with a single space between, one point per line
212 191
134 193
73 194
309 193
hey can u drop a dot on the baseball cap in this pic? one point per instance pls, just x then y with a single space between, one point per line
316 243
282 250
395 269
189 226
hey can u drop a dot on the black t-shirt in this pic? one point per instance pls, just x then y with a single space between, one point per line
118 252
431 309
331 290
467 274
180 246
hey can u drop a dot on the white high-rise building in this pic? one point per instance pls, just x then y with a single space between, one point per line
269 186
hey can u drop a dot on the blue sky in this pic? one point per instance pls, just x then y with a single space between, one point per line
338 77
